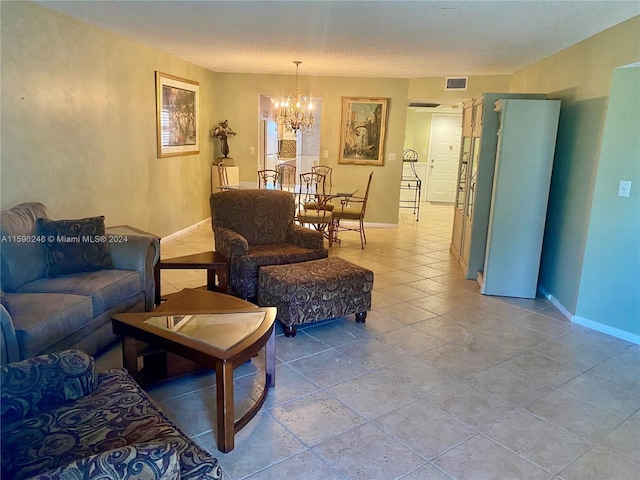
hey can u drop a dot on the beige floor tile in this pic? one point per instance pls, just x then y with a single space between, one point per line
508 385
577 416
304 465
316 418
481 458
599 464
411 425
542 369
603 394
358 392
316 368
455 360
470 405
367 452
545 444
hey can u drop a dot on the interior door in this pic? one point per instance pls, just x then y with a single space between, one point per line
270 159
444 153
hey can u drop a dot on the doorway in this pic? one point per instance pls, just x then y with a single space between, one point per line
444 151
279 146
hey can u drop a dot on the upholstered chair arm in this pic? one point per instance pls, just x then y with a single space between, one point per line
9 349
305 237
40 383
229 243
137 252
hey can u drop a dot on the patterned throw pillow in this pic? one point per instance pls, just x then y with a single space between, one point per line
75 246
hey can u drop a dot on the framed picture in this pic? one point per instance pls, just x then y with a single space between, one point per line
178 116
362 131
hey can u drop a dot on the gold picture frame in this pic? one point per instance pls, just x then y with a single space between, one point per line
362 131
177 116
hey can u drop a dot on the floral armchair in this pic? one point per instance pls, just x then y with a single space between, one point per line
61 420
254 228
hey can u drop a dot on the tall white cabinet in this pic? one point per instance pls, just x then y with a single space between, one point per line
521 180
516 150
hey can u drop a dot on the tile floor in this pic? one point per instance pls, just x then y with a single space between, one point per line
439 383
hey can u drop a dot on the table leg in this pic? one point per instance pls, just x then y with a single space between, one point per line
270 359
156 278
130 357
211 279
225 408
223 278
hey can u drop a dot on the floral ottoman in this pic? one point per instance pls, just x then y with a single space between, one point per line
316 290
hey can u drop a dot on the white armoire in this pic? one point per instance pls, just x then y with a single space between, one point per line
504 176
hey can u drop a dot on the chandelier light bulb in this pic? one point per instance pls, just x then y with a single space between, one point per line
293 113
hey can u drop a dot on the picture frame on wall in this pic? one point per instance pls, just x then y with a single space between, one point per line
362 130
177 115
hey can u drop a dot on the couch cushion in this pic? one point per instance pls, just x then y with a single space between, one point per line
22 254
148 461
106 288
75 246
116 414
42 319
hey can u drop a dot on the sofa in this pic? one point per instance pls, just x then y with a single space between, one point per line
62 281
254 228
61 420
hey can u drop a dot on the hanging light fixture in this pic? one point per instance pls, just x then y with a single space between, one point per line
294 112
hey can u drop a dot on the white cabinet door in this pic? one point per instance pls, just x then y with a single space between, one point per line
522 176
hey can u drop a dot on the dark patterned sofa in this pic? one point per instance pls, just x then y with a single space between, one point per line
317 290
61 420
254 228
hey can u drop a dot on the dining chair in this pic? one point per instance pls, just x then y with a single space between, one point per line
286 175
312 200
327 172
268 179
352 208
319 181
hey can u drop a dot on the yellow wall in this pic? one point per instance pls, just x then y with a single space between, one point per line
79 125
418 132
585 70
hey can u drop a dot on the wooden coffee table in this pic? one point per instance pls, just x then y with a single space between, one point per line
213 330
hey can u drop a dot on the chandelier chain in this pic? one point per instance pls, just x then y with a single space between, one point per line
295 112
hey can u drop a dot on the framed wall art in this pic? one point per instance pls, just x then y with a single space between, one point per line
178 116
362 131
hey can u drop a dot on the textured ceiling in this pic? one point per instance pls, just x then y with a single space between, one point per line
405 39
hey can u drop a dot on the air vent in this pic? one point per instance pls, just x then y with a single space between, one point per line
456 83
424 105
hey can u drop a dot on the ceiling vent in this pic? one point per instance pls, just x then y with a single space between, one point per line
423 105
456 83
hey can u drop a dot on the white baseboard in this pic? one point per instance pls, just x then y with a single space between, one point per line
608 329
556 303
585 322
354 223
188 229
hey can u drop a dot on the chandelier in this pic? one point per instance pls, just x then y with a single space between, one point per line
294 112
